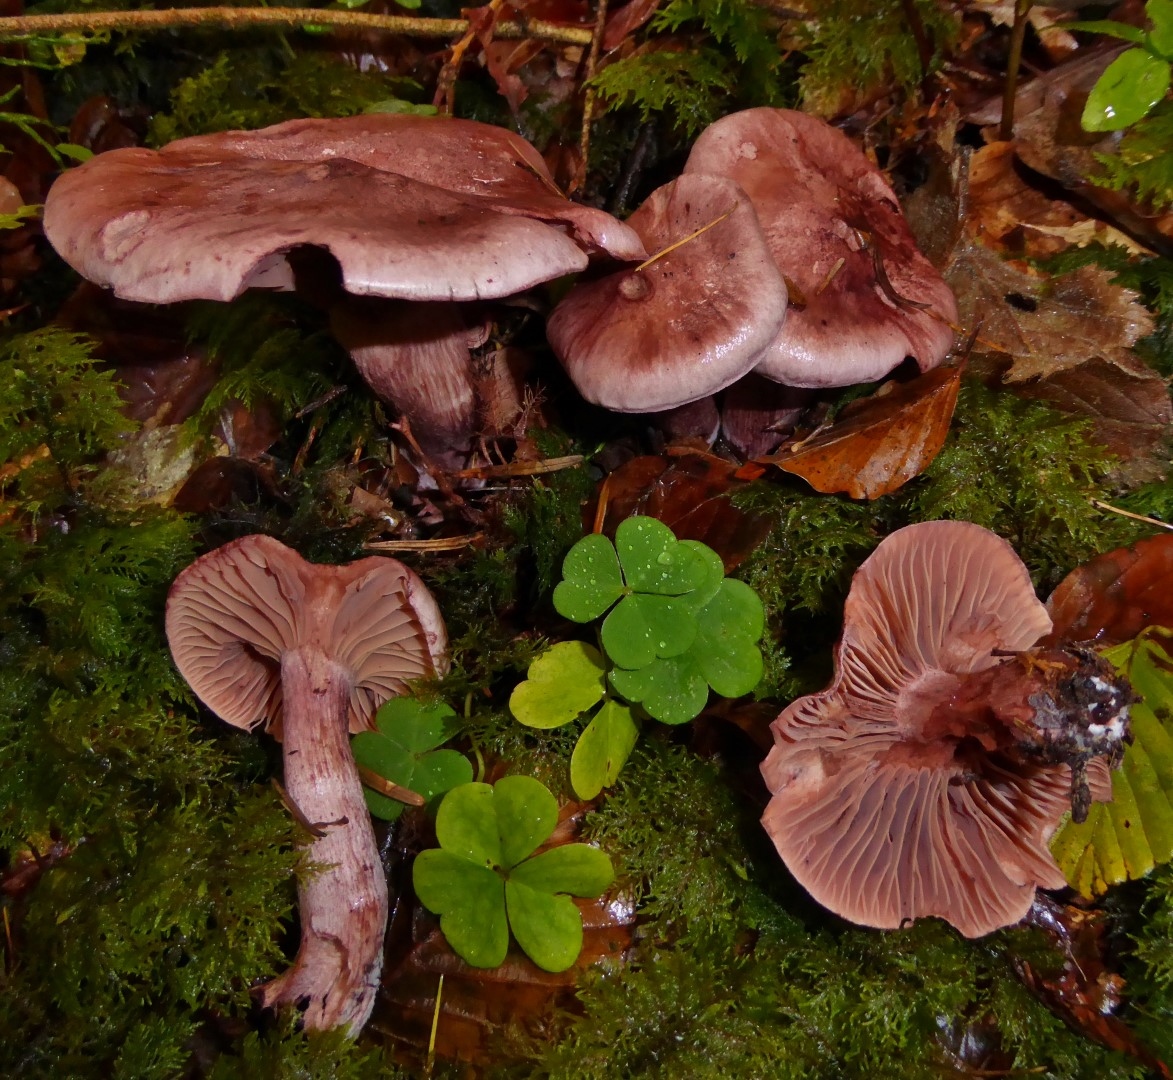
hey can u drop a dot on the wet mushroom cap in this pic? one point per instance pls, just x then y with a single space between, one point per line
880 818
688 324
157 227
234 612
830 217
462 156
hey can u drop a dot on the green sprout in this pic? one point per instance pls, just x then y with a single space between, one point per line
675 627
484 880
1138 79
403 751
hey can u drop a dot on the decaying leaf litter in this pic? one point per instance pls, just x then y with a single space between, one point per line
705 956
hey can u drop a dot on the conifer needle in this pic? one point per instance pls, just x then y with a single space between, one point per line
680 243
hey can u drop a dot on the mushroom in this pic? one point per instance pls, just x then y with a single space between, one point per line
208 217
686 323
863 297
929 777
310 652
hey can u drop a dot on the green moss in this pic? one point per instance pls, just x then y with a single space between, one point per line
245 90
857 47
1027 472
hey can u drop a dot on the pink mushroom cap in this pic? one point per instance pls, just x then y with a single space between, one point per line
830 217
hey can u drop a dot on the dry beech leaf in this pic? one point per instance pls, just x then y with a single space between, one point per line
1018 219
1116 595
690 494
881 442
1045 325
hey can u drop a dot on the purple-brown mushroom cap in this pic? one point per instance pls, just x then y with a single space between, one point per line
881 819
159 226
830 219
690 322
462 156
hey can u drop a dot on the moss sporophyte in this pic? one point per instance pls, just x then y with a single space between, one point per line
675 627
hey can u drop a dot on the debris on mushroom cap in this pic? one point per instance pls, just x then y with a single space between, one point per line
233 612
416 356
158 226
863 296
688 323
262 636
896 793
462 156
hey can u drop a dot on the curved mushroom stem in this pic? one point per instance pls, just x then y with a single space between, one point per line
343 900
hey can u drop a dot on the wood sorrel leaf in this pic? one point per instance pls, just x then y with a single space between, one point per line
526 815
1131 85
466 825
402 750
591 579
645 626
654 561
602 749
547 927
564 681
577 869
671 690
470 901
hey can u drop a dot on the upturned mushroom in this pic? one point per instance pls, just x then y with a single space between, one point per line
412 209
309 652
929 777
862 295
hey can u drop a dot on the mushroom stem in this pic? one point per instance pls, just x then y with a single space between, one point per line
343 899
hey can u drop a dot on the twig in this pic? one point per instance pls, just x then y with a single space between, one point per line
1013 63
446 543
431 1062
588 97
446 80
287 18
1099 504
520 468
385 787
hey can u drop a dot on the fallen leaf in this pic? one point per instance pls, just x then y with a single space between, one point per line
1084 992
1045 325
1116 595
690 493
1018 218
881 442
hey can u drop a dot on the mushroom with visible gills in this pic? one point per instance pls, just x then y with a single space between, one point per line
929 777
265 638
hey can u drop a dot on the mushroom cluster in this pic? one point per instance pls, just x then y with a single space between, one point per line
929 777
431 215
713 308
266 639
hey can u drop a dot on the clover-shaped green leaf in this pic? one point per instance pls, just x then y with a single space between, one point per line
654 561
563 682
403 750
1160 37
484 880
603 749
724 655
591 579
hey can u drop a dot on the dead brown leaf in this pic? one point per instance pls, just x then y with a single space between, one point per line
1116 595
881 442
690 493
1044 324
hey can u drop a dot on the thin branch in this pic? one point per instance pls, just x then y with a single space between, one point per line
1013 63
287 18
588 97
